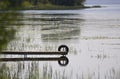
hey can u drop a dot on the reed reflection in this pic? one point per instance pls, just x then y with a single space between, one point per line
61 27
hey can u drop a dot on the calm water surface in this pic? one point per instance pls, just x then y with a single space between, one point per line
92 35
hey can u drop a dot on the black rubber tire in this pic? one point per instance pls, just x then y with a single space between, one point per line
66 49
63 58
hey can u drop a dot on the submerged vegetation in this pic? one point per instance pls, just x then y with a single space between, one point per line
41 4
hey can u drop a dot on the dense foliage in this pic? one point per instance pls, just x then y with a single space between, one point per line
67 2
37 3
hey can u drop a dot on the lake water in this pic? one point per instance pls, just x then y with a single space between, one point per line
92 35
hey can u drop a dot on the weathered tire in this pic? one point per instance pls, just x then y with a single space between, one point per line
63 61
63 47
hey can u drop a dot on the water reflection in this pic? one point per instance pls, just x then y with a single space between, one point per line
61 28
55 26
93 39
8 21
32 70
7 30
29 70
40 32
45 32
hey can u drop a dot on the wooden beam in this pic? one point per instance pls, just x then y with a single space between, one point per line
33 53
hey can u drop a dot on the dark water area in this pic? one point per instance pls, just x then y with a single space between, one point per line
92 35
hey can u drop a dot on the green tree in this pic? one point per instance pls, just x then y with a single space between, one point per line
15 3
4 4
19 3
79 2
67 2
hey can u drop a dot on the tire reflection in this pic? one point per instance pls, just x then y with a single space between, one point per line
62 61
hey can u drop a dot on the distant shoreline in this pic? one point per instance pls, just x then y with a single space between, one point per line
55 8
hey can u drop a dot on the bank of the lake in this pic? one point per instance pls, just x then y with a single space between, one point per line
51 7
55 7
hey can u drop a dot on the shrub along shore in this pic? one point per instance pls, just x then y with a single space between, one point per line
42 4
51 7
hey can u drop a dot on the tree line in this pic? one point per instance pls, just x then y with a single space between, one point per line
22 3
